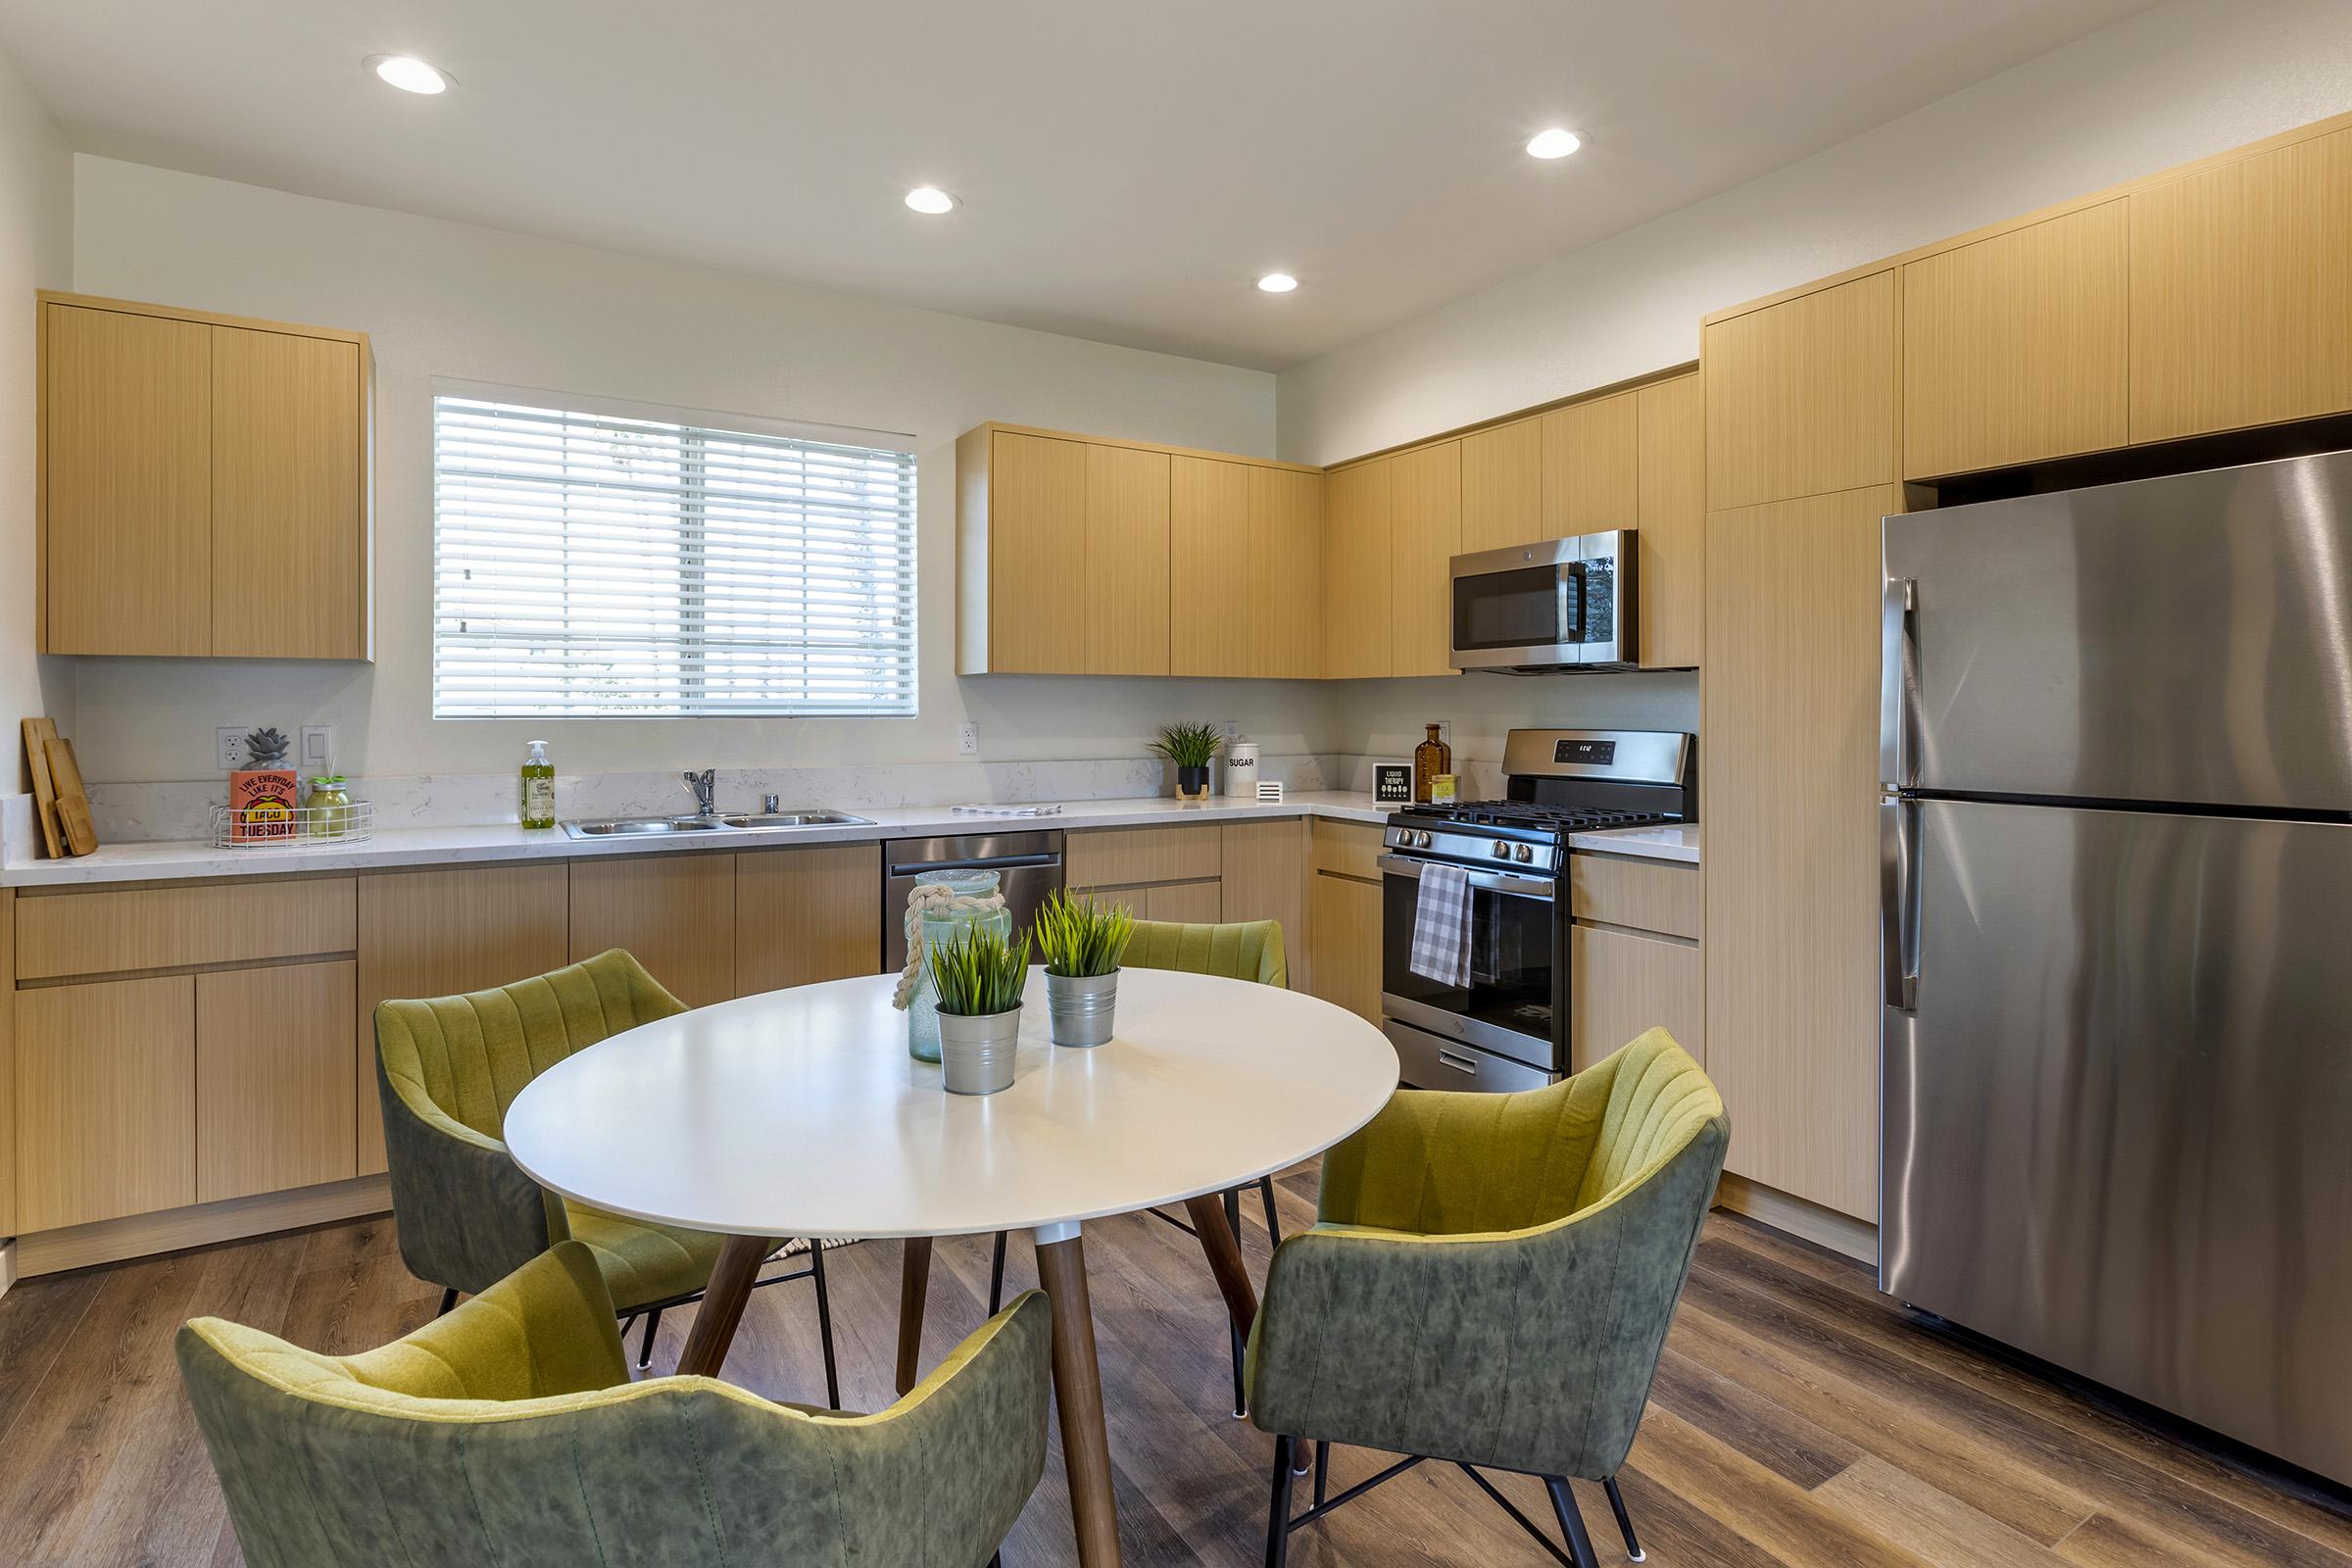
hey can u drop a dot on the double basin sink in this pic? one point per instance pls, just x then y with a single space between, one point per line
724 823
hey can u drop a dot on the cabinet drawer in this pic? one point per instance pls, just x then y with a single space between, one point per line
1122 855
1645 895
1348 849
121 930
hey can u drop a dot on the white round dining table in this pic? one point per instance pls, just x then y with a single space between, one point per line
798 1112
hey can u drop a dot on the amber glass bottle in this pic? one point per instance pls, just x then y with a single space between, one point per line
1430 758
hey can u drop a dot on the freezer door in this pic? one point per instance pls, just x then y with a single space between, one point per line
2185 640
2117 1111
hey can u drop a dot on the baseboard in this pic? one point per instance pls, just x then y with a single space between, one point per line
199 1225
1799 1218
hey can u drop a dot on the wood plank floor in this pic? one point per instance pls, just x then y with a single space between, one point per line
1798 1419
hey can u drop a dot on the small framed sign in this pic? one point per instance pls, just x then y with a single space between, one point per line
1393 783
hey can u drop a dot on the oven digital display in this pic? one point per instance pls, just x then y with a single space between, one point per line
1601 754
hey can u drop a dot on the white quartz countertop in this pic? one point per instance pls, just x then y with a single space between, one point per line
1677 843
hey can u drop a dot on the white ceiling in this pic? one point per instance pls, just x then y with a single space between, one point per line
1127 170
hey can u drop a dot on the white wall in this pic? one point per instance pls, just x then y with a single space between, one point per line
36 237
2171 84
452 300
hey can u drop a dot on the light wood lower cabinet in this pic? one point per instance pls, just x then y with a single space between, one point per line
275 1106
675 913
105 1099
805 915
1266 872
1629 982
1344 935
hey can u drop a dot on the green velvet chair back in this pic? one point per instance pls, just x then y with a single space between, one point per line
508 1432
1246 950
471 1056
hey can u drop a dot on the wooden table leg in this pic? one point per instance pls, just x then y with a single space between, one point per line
1078 1396
721 1307
1207 1215
914 1283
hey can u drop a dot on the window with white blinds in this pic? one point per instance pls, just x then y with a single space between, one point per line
593 559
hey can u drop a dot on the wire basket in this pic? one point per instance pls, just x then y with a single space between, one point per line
303 828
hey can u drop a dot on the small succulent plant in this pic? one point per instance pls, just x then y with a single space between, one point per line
265 747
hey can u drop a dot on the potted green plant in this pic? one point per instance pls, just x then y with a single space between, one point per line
1191 747
1082 942
980 975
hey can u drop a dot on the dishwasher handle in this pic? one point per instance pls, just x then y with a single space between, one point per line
993 862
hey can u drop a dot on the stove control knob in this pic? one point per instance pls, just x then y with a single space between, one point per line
1523 853
1421 839
1501 850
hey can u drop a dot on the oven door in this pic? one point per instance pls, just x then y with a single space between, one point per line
1514 1003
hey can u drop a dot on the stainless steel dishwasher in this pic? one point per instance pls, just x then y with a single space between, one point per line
1028 866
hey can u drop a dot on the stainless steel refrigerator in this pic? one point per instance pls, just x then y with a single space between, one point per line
2116 1076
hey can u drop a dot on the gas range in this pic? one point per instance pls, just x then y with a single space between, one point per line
1523 833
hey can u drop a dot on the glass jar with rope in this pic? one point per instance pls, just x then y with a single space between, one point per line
942 904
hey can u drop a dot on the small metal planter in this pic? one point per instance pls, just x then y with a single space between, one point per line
1079 1007
978 1051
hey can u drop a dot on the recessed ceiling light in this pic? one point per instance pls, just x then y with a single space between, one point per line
930 199
1278 282
1553 143
408 72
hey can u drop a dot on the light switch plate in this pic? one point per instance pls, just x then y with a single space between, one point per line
317 749
229 746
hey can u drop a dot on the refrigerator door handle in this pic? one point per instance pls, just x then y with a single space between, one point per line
1899 682
1898 900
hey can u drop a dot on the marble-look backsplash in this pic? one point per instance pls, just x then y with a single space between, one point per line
128 813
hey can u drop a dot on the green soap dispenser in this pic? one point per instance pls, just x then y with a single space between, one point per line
538 788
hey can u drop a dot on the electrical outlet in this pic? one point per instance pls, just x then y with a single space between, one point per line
229 746
967 739
1233 730
318 753
1446 730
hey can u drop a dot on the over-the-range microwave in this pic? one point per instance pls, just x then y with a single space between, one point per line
1563 603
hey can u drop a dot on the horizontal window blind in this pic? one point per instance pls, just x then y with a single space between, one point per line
588 563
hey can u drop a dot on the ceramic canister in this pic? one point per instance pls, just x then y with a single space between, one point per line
1241 770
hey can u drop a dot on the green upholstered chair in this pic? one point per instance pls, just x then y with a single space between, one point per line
508 1432
1490 1281
468 1216
1245 950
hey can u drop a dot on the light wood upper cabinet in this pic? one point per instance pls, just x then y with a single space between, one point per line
1589 466
1504 471
674 913
1801 395
1123 608
1359 571
276 1105
1075 567
1671 515
105 1099
1245 566
1426 534
807 914
204 484
2015 348
1789 777
2241 292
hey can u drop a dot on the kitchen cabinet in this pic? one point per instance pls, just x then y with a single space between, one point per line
204 484
674 913
1801 395
1160 873
1263 871
803 915
1670 511
1342 921
1634 954
2241 291
274 1101
1503 473
179 924
105 1099
1245 566
8 1062
1789 781
1590 466
2015 348
1358 569
1425 535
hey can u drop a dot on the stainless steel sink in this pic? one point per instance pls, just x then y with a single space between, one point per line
731 823
812 817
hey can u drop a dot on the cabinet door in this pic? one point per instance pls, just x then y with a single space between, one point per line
1789 777
106 1100
1502 486
1286 581
2014 348
804 915
1626 983
275 1105
1801 395
1590 466
1343 926
442 933
2241 292
1359 521
1671 515
1124 603
1265 879
1427 536
1184 903
127 519
1037 554
675 913
1210 567
288 568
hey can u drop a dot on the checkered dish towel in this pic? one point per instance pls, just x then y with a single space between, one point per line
1442 926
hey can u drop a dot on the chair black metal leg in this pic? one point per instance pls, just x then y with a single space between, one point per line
644 1347
1265 1189
1241 1394
825 1322
1572 1523
1278 1521
995 1278
996 1561
449 1299
1322 1471
1625 1521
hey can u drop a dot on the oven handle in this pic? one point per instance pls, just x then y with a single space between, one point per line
1510 884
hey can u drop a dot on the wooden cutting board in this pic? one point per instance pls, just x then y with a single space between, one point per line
38 733
73 802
